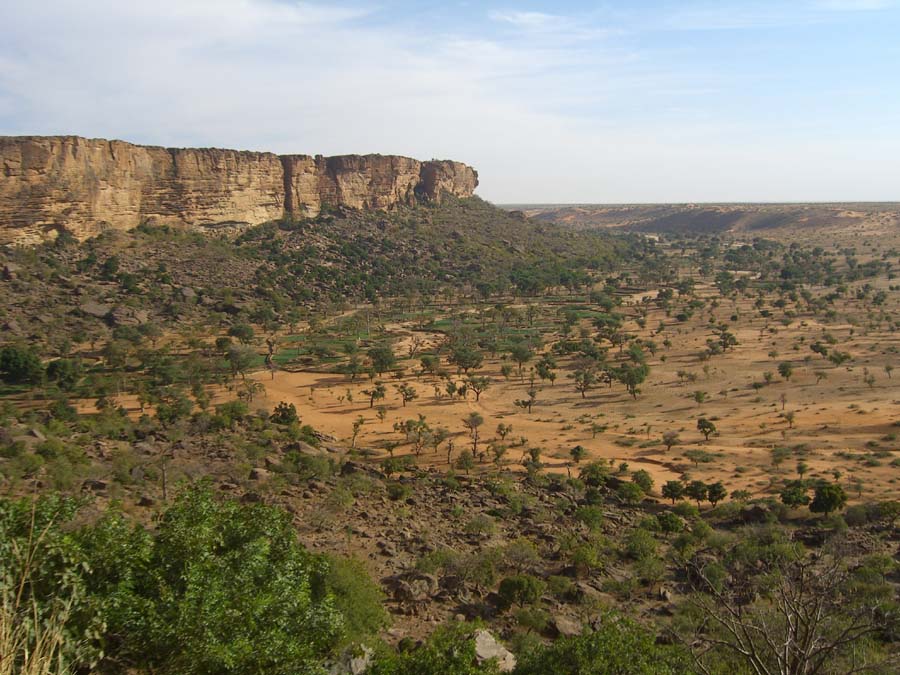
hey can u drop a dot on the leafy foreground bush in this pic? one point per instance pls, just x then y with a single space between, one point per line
617 646
224 588
219 587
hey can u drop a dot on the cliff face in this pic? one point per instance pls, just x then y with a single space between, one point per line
88 185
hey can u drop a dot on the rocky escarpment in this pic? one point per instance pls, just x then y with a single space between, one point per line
88 185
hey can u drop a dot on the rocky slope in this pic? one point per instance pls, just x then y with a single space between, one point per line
89 185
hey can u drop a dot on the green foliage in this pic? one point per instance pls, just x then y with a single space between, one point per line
795 494
217 588
449 651
20 365
382 358
65 373
618 646
828 497
221 588
357 598
674 490
706 427
640 544
630 493
521 590
643 480
594 474
592 516
285 413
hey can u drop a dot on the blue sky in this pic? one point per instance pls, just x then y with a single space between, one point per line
643 101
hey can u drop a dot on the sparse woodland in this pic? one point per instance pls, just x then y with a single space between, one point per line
450 439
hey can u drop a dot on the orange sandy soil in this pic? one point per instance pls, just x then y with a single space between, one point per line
841 413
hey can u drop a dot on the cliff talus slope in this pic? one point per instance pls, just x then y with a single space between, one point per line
88 185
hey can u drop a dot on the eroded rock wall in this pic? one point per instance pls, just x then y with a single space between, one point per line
88 185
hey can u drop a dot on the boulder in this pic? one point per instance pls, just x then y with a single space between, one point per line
95 309
565 626
487 647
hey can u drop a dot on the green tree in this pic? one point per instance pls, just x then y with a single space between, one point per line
795 494
466 358
382 358
643 480
585 378
670 439
473 423
706 427
673 489
632 376
697 490
66 373
786 369
828 497
716 492
242 332
578 453
240 360
20 365
376 393
521 353
479 385
521 590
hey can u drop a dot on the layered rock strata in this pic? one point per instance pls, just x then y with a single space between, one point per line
50 183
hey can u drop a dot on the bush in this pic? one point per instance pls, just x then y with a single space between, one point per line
521 590
398 491
643 480
218 588
222 588
617 646
20 365
356 596
449 651
640 544
592 516
686 510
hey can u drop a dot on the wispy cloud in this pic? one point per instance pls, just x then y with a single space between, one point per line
856 5
531 20
549 105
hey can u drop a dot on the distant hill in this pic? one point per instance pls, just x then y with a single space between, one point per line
713 218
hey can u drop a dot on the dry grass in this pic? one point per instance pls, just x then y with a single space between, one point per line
31 642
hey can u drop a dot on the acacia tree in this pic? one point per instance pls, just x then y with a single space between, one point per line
673 489
479 385
407 393
786 369
632 376
376 393
706 427
828 497
585 378
697 490
472 423
670 439
527 403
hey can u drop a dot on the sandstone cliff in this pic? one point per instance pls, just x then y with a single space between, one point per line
88 185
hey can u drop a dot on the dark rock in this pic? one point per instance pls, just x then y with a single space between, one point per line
756 513
94 485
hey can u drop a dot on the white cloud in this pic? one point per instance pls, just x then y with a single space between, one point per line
549 110
527 19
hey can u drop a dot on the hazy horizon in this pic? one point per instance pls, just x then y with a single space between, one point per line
647 102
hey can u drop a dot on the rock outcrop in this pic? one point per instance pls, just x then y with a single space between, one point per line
50 183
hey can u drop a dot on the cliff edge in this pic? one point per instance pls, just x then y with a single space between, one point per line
85 186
